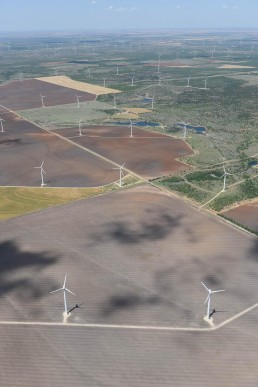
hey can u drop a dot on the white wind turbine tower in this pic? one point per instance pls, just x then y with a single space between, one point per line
2 126
88 72
120 174
209 298
114 102
56 72
78 100
188 82
225 177
20 76
41 173
131 127
105 81
159 79
159 55
42 100
117 70
185 129
205 84
132 84
152 102
64 290
80 127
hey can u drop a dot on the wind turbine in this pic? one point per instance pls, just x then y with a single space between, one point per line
152 102
131 127
80 127
114 102
188 82
163 127
42 100
185 129
41 173
64 290
209 298
159 55
117 70
78 100
2 126
56 72
225 177
88 72
132 84
120 175
205 84
20 76
159 79
105 81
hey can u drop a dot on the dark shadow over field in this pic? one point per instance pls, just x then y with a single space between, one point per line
254 251
19 271
128 233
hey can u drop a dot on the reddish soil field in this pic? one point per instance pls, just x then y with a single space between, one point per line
133 257
148 154
26 94
23 146
246 214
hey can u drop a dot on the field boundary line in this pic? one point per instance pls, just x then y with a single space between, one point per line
131 327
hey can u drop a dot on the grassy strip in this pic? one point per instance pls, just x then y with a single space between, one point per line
16 201
19 201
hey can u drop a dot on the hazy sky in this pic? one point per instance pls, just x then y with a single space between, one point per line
123 14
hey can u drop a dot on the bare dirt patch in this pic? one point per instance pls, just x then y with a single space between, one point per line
245 214
26 95
134 257
23 146
148 154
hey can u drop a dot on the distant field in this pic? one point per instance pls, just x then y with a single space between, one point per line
81 86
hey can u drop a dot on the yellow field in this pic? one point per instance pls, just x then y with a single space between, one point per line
64 81
19 201
229 66
131 113
137 110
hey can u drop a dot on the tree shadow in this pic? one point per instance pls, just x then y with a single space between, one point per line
19 271
126 232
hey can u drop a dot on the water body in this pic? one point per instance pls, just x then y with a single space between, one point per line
197 129
252 163
136 123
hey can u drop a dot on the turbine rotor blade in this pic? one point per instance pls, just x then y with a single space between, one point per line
207 298
69 291
64 281
57 290
205 287
217 291
43 171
